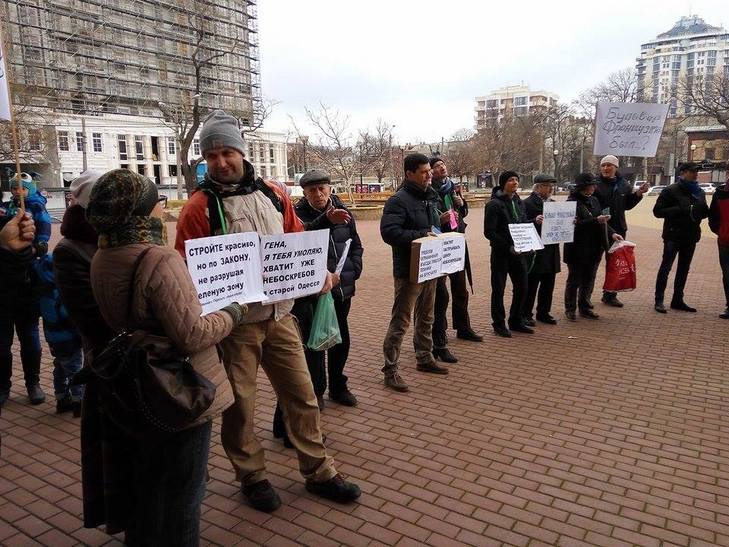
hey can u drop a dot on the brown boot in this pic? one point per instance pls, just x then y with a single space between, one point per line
394 381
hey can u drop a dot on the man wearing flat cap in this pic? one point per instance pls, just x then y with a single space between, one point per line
615 193
682 206
545 265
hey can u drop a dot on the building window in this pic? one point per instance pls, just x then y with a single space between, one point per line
97 142
251 153
171 146
263 171
34 139
520 101
123 152
139 146
196 147
172 170
79 141
63 141
271 154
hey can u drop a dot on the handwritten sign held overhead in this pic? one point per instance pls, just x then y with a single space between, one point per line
559 222
629 129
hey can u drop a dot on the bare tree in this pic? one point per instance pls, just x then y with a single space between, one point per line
708 95
260 114
376 150
460 155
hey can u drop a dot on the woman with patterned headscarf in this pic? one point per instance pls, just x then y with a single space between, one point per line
166 482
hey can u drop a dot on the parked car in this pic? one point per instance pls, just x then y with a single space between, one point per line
655 190
707 187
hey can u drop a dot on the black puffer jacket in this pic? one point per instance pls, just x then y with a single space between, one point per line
591 238
682 213
314 219
619 196
548 259
19 288
500 212
407 216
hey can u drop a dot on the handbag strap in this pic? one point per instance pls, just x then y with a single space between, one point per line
130 299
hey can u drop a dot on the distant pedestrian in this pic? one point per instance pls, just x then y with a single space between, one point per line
719 224
682 206
616 195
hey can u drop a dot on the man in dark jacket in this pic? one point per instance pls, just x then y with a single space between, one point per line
719 224
407 216
450 200
16 235
613 192
682 206
545 265
503 209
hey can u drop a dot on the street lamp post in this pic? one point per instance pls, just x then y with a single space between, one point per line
556 171
691 154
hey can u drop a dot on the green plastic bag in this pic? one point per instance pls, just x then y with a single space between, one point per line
324 327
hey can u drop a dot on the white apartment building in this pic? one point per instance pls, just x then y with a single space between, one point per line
691 50
513 100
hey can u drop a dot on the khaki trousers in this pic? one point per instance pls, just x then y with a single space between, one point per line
276 346
420 296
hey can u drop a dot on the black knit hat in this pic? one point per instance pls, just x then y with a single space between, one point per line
435 159
506 175
584 180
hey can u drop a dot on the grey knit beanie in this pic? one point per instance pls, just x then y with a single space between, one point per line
220 130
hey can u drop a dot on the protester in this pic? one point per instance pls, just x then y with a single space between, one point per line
682 206
168 469
20 312
319 209
16 236
451 200
409 215
63 340
719 224
545 266
503 209
582 256
232 199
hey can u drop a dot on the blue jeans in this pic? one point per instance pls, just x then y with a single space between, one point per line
30 350
169 486
65 365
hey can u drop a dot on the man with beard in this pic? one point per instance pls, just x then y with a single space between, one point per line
450 200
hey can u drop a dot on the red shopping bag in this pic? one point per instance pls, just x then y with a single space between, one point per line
620 275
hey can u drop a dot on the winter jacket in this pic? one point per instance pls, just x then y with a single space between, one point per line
407 216
682 213
591 238
251 205
164 303
19 287
547 260
59 331
35 204
501 211
719 215
618 195
72 258
446 189
314 219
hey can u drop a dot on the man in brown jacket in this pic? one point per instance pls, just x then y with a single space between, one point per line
234 200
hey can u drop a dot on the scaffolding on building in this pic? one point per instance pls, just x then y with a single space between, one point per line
95 57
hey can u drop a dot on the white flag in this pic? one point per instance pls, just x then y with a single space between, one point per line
4 91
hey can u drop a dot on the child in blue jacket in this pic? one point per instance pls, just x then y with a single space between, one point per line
35 204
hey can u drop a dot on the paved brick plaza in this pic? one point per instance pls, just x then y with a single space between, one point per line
612 432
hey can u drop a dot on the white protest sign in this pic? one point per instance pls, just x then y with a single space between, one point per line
559 222
294 264
525 237
453 258
343 258
225 269
629 129
4 88
430 258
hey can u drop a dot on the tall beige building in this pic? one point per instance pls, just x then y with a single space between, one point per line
514 100
691 50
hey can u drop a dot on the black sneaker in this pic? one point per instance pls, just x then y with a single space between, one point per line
262 496
589 314
444 354
612 300
36 395
502 331
682 306
432 368
548 319
344 397
65 404
660 308
529 322
470 335
724 315
335 489
521 327
570 315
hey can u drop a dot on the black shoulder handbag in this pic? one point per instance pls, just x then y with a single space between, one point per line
156 389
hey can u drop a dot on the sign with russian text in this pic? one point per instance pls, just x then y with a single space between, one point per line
453 258
435 256
294 264
629 129
225 269
4 87
525 237
559 222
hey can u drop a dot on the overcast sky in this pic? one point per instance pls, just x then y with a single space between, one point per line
420 64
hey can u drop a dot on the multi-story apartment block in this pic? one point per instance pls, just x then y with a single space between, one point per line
515 100
693 52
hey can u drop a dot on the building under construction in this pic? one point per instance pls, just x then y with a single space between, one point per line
127 56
